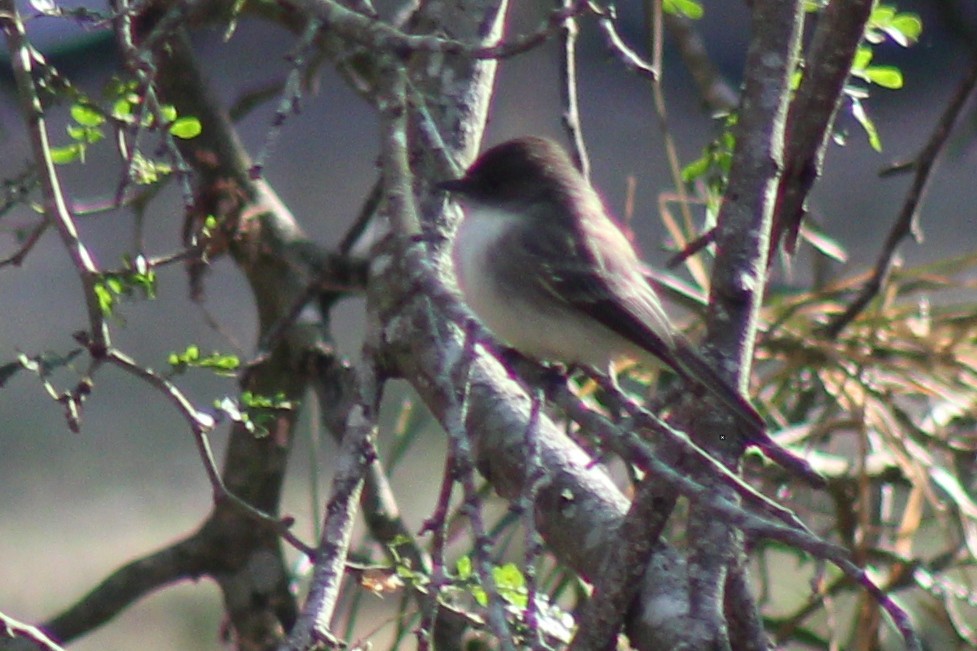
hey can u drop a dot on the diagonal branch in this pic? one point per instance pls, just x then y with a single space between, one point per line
55 207
177 562
809 121
906 221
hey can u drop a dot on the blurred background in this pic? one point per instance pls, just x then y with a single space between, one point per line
74 507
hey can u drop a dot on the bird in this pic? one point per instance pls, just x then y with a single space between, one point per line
544 266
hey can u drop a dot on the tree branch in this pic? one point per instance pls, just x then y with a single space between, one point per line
55 208
738 281
905 224
810 119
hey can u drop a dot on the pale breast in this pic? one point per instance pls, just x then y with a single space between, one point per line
530 321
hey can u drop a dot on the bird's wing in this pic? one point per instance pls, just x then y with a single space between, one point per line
604 281
600 275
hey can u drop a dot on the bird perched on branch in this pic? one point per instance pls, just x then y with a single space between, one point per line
548 271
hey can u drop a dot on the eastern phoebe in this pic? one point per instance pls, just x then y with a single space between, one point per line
542 264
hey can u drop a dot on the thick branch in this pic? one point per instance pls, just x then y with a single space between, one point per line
828 63
127 585
738 281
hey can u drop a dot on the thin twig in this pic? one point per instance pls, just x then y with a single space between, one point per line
200 425
16 629
464 472
655 35
532 541
55 207
606 20
906 222
356 453
290 98
142 68
568 88
17 258
381 36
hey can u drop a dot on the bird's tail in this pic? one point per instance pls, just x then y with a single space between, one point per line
693 368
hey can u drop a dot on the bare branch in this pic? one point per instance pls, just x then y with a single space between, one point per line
355 456
905 224
55 208
738 281
568 87
810 119
15 629
127 585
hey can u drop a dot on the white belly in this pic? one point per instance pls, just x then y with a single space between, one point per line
542 329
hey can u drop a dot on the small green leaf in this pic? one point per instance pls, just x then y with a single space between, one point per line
167 112
186 128
795 79
863 56
122 109
146 281
86 115
909 25
511 584
115 284
146 171
464 568
695 169
106 300
688 8
86 135
481 597
858 112
885 76
66 154
882 14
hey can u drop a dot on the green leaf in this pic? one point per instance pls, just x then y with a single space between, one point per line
146 171
902 28
909 25
220 362
696 169
106 300
122 109
257 401
464 568
863 56
66 154
209 227
86 115
858 112
146 281
167 112
885 76
115 284
86 135
882 14
511 584
481 597
186 128
688 8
